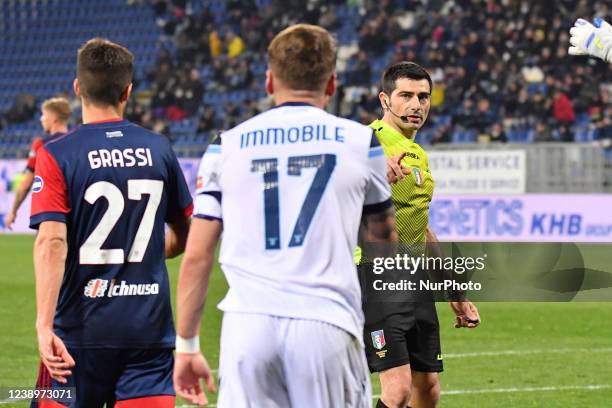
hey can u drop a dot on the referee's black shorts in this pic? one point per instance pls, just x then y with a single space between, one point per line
410 336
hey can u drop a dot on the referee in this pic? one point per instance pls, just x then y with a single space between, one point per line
402 338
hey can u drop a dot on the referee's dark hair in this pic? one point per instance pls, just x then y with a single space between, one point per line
403 69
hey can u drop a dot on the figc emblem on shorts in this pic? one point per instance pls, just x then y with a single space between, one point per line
38 184
378 339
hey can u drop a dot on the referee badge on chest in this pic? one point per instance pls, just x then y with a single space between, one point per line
378 339
418 176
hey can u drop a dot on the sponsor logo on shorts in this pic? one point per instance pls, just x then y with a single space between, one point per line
440 357
378 339
199 182
38 184
97 288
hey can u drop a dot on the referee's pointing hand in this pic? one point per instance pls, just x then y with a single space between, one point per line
395 170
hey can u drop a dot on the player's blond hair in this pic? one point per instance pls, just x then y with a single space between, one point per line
303 57
58 106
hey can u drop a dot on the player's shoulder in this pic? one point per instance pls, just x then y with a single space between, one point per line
37 142
81 135
349 123
150 136
354 132
245 126
134 129
62 141
214 144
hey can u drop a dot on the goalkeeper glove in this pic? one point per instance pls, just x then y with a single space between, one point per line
593 39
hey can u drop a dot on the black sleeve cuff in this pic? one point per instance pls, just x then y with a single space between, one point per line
377 208
215 194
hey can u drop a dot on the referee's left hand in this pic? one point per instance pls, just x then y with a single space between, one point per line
466 314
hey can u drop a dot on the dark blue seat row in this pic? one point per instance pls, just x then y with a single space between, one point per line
40 40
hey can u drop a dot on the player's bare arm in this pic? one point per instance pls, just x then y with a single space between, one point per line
50 251
379 227
395 171
176 237
190 365
55 113
194 274
20 195
466 313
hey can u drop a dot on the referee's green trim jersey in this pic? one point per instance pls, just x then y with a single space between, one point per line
412 195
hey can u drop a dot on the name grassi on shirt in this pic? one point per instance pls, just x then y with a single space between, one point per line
139 157
97 288
303 134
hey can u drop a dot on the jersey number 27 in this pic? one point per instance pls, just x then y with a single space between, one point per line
91 251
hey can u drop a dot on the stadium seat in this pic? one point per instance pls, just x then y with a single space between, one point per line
30 65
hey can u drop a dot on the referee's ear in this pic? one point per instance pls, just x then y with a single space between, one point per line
330 88
384 101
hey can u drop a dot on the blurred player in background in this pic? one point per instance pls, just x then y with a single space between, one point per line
409 358
288 187
100 200
54 121
591 39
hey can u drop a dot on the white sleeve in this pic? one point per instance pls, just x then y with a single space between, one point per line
378 191
208 190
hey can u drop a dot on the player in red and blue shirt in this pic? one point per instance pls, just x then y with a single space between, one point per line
54 121
102 195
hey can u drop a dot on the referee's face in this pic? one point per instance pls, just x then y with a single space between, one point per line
410 98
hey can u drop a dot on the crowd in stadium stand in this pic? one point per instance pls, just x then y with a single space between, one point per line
498 67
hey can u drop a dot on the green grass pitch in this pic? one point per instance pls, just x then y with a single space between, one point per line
523 355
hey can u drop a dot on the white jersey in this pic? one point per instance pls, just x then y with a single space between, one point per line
290 186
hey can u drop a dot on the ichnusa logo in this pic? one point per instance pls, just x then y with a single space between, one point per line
378 339
96 288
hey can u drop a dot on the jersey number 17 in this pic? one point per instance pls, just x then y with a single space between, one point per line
324 163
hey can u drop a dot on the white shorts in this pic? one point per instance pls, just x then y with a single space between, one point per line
269 362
